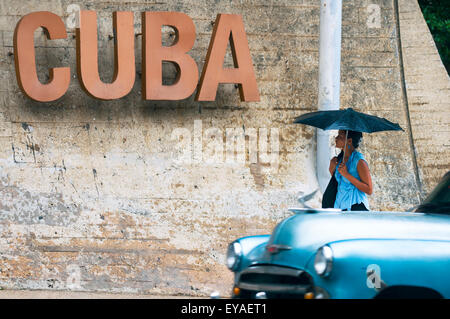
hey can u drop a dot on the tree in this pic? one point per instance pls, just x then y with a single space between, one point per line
437 16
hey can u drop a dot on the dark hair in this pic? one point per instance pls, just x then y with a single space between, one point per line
356 138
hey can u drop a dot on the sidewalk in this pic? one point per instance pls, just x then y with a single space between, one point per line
60 294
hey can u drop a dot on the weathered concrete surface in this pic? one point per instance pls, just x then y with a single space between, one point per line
428 95
64 294
95 190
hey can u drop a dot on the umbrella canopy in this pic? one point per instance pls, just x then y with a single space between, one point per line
347 119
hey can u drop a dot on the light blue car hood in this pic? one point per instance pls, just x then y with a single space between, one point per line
306 232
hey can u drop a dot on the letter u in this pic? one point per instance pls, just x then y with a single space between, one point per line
124 61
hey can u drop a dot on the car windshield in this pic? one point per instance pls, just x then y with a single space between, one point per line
438 202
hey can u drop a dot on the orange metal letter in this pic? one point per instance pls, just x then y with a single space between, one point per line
154 53
25 60
228 26
87 56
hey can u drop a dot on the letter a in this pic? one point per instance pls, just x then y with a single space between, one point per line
228 26
25 59
87 56
154 53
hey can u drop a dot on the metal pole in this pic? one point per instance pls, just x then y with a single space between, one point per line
329 79
345 146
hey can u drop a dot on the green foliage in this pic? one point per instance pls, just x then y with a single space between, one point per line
437 15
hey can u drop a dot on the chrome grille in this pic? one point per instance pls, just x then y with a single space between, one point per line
275 281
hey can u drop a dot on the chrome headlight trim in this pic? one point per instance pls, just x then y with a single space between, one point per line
234 254
323 262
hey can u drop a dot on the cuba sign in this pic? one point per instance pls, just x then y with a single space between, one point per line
227 28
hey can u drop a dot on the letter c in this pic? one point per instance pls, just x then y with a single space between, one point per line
25 61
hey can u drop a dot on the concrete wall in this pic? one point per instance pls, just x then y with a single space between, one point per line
428 96
94 190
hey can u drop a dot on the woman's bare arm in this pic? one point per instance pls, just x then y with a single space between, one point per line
365 184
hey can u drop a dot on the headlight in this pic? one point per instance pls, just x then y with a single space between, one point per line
234 255
323 263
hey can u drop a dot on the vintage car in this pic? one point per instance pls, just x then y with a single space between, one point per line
317 253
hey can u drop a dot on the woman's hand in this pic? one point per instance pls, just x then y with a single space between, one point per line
342 169
333 164
365 184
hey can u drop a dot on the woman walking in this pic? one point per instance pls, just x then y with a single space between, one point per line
352 173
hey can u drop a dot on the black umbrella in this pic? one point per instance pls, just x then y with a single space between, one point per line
349 120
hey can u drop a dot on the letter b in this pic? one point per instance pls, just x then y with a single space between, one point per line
154 53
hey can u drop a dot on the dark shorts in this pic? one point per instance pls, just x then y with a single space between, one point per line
358 207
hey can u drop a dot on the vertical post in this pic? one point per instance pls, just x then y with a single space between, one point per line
329 79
